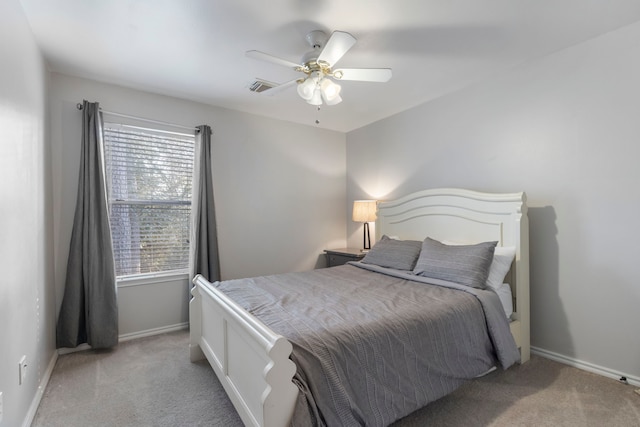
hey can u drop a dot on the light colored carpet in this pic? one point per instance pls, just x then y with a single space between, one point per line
150 382
144 382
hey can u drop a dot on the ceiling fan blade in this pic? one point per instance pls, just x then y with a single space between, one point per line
279 88
337 45
363 74
256 54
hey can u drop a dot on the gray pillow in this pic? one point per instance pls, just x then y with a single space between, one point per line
464 264
392 253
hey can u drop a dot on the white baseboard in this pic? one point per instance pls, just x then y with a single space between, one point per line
81 347
33 408
154 331
585 366
131 336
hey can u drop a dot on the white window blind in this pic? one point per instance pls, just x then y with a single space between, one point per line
149 177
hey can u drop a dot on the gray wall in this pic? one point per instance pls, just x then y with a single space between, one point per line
27 309
565 129
279 190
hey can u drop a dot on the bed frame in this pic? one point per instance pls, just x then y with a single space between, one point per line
252 362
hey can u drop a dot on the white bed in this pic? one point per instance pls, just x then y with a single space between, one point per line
252 362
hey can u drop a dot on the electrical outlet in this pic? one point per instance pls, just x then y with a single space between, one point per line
22 369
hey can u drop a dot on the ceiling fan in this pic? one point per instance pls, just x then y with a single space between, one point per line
318 85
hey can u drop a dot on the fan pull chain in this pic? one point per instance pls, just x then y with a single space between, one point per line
317 120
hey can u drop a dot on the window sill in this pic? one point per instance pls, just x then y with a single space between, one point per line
150 279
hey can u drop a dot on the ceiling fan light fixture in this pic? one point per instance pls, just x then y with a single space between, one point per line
307 88
318 85
334 101
316 99
330 92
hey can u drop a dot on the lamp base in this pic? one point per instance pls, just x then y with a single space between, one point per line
366 238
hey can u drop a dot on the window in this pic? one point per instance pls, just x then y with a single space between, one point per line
149 176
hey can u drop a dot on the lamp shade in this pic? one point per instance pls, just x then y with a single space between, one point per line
364 210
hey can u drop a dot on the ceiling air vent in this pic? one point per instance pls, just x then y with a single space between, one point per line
261 85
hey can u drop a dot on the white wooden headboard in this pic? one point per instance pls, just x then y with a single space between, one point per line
467 216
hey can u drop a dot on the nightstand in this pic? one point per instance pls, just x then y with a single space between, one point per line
342 256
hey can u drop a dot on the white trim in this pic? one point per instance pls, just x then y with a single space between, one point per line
154 331
131 336
585 366
67 350
142 119
35 403
151 278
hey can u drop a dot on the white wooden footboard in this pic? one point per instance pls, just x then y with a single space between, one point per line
251 361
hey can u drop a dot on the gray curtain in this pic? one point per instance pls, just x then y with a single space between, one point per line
89 312
204 257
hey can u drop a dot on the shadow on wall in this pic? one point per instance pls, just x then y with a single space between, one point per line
321 261
549 325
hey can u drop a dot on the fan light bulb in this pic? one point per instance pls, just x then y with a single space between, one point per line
306 89
330 92
334 101
316 99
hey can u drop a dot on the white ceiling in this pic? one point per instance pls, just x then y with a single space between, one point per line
195 49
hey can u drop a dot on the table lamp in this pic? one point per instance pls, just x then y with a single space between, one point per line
365 211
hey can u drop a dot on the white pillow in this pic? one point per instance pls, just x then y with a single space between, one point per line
506 298
502 258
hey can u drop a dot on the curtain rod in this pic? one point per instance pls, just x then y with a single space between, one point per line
127 116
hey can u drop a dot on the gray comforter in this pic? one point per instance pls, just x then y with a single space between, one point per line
372 345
